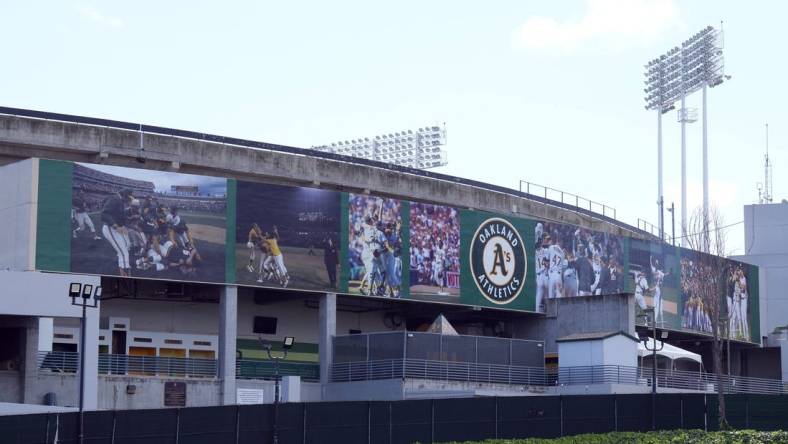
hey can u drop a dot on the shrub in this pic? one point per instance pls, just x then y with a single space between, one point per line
660 437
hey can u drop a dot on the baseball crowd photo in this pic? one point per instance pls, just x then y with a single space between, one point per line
167 225
287 237
434 250
375 246
653 274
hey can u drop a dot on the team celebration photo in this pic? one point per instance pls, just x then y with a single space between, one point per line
137 223
572 261
375 246
287 237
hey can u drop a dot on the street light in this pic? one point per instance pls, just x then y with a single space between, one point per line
80 296
653 351
287 344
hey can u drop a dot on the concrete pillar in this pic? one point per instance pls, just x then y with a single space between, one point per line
46 331
228 332
90 392
30 365
327 326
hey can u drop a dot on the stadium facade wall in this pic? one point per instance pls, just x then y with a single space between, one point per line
18 204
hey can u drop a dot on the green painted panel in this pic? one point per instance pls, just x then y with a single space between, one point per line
53 236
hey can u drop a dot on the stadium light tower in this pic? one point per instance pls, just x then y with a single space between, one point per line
411 148
696 65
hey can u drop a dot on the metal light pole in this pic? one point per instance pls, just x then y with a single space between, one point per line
80 296
653 349
696 65
672 210
287 344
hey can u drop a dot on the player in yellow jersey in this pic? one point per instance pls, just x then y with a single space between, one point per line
254 242
275 259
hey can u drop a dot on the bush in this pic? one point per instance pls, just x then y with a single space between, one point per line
661 437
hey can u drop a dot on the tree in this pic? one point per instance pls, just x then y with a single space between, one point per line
706 279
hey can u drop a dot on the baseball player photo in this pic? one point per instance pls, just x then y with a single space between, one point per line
143 218
375 246
434 251
281 234
654 281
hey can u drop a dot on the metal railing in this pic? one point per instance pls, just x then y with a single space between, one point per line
674 379
536 376
263 369
140 128
653 230
437 371
567 198
68 362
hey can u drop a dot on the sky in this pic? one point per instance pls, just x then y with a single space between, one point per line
163 181
546 92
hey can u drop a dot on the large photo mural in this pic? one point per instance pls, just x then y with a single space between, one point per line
135 223
154 224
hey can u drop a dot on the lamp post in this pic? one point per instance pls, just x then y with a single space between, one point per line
653 349
287 344
80 296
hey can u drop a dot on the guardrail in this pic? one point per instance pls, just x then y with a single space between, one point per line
138 127
261 369
675 379
437 371
535 376
568 198
68 362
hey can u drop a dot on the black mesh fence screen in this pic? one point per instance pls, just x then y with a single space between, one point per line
529 416
28 428
399 422
386 346
464 419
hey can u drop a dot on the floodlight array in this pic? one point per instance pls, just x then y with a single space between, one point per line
684 70
415 149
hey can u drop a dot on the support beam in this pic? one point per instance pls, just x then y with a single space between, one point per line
327 326
228 332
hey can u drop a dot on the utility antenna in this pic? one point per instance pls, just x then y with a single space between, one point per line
765 193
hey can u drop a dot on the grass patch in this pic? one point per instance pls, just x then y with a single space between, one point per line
661 437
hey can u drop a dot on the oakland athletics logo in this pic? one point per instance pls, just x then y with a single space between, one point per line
498 261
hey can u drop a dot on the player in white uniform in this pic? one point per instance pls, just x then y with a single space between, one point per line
596 264
744 329
438 265
641 286
557 258
542 269
370 236
570 277
657 276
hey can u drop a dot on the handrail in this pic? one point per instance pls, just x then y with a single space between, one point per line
151 129
68 362
536 376
564 196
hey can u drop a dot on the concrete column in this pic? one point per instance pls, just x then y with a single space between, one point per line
90 391
228 332
327 326
30 365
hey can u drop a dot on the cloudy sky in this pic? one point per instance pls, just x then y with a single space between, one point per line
549 92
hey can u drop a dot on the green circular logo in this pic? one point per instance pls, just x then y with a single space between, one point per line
498 261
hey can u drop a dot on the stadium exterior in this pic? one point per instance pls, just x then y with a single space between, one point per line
225 242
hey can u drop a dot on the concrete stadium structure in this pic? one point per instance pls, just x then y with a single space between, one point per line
204 336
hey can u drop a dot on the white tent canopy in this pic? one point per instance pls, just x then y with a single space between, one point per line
668 351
